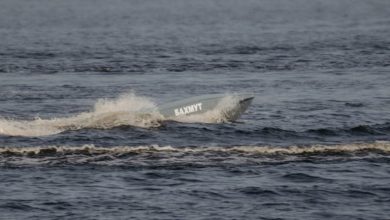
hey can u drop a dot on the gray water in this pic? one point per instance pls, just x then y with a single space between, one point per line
76 75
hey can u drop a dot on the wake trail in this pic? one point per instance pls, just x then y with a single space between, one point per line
127 109
163 156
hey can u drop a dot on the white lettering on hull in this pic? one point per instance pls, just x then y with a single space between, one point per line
188 109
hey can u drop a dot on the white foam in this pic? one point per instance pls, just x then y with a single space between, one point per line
154 155
127 109
382 146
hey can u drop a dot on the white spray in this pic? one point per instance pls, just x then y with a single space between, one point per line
127 109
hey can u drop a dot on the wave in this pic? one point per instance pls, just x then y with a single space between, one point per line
157 155
373 131
377 129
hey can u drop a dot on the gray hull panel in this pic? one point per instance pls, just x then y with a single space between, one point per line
205 103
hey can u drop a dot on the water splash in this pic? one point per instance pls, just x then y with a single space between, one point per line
127 109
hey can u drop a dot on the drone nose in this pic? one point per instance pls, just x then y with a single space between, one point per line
245 97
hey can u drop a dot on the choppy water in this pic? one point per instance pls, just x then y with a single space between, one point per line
76 75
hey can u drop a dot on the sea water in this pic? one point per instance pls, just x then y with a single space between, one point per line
77 76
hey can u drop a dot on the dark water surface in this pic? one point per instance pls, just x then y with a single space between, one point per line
75 75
